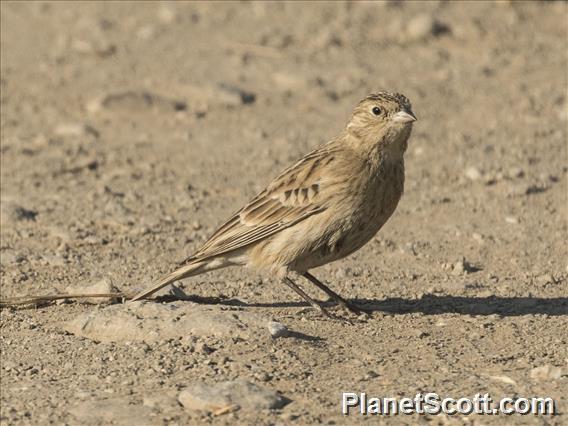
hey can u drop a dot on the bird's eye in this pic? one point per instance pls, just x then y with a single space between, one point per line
376 110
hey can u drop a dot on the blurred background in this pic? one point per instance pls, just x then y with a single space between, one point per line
120 122
130 131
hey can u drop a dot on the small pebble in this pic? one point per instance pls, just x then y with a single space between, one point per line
473 173
277 329
511 219
478 237
423 26
504 379
516 172
461 267
421 334
75 129
236 95
370 375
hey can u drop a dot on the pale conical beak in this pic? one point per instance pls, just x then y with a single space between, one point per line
404 117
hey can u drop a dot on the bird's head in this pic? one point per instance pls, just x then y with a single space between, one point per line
382 119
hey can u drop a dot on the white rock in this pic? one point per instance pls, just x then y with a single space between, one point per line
478 237
504 379
277 329
511 219
473 173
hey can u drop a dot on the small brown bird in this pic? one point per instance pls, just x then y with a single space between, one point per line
323 208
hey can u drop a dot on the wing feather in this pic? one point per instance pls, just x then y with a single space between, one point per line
296 194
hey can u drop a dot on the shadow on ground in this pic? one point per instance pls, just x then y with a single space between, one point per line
431 305
504 306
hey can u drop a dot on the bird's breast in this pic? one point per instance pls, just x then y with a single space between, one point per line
370 208
381 202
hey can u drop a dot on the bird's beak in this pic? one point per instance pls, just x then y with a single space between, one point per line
404 117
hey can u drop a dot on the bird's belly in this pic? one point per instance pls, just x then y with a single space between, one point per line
347 239
342 244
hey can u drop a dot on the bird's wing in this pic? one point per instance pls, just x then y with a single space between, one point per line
298 193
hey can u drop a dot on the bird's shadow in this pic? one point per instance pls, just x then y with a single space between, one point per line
491 305
432 305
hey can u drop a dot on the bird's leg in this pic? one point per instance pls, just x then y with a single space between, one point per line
307 298
343 302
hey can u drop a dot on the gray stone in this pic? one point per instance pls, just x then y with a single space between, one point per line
115 411
246 395
151 322
545 373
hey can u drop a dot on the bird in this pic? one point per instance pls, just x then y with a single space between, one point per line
323 208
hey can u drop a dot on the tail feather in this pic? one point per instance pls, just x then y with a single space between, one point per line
183 272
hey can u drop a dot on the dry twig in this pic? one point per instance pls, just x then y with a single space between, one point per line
43 300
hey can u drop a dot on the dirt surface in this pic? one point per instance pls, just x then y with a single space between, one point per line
130 131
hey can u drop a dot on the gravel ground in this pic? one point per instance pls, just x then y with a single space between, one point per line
130 131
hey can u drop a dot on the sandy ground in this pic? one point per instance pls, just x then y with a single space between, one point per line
130 131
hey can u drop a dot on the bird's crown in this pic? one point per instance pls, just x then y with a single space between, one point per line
397 98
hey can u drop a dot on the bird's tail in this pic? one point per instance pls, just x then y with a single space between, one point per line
194 268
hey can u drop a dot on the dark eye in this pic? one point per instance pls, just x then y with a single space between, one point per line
376 110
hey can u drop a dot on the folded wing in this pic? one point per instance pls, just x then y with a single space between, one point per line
298 193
